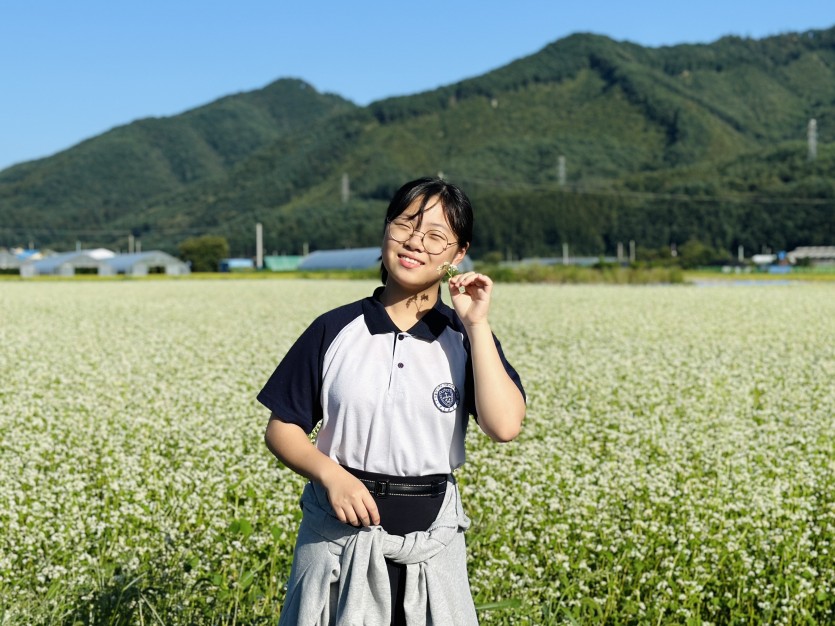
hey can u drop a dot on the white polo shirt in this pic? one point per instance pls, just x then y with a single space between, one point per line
390 401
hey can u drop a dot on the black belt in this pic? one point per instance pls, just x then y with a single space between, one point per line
383 488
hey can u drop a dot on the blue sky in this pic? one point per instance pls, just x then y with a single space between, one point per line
70 70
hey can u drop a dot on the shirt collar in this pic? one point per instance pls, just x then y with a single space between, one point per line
429 327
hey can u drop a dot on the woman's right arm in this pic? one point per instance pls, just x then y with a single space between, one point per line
350 499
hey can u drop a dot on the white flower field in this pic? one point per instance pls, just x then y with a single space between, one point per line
677 465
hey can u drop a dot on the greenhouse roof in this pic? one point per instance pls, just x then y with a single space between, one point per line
350 259
79 258
124 262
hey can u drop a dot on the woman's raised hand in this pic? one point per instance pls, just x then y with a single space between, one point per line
470 294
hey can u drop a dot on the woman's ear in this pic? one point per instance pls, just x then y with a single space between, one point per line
459 256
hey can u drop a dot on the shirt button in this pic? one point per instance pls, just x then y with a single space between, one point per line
401 337
400 365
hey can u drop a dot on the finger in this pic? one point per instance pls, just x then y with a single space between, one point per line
373 511
460 280
470 281
479 281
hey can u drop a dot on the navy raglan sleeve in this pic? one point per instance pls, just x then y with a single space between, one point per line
470 393
293 391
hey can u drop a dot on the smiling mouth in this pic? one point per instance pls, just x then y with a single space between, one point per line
409 261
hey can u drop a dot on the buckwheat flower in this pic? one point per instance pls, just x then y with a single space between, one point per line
447 269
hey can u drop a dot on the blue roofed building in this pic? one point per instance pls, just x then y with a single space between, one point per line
354 259
349 259
236 265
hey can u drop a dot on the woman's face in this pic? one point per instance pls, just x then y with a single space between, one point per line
407 261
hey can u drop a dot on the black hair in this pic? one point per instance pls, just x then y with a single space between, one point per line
455 203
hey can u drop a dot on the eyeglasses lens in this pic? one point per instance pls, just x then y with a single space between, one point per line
434 241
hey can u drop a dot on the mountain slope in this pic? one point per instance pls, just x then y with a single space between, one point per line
701 119
119 172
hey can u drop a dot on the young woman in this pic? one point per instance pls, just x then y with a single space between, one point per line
390 381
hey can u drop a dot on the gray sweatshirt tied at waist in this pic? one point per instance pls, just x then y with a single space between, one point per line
339 574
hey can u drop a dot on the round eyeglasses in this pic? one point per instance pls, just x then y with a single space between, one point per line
434 241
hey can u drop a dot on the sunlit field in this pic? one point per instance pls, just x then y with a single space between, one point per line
676 466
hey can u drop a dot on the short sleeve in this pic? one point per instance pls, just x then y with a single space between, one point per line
293 390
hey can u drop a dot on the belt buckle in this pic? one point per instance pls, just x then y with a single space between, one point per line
381 488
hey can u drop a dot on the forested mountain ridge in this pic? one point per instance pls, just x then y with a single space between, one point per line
119 173
661 145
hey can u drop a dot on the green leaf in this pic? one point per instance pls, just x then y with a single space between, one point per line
504 604
246 579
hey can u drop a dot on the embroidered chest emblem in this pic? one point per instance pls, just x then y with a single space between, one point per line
446 397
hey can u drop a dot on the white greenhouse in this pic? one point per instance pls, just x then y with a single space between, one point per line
105 263
144 263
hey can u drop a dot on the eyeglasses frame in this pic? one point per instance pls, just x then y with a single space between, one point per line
422 235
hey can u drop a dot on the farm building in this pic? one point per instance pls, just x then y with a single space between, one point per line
144 263
68 263
817 255
354 259
104 263
236 265
349 259
8 261
282 263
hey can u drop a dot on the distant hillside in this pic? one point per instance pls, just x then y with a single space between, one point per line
120 173
661 145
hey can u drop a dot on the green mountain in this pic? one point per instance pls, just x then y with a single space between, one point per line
118 175
661 145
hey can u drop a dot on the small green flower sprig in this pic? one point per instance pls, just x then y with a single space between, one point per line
448 270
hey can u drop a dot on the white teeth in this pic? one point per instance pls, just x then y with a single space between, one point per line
410 260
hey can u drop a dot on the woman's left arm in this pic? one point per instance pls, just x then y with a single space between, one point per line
499 403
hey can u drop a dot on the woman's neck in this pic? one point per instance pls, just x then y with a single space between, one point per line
404 307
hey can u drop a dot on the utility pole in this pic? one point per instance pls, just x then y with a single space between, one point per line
812 138
561 171
259 246
565 254
346 188
631 250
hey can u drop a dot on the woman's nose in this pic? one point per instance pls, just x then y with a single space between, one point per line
415 236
